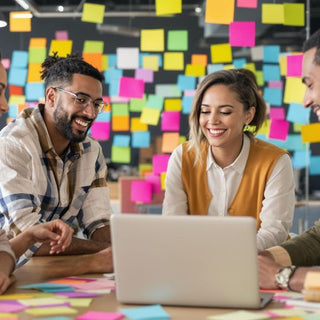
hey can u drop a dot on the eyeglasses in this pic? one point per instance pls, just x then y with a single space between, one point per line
83 101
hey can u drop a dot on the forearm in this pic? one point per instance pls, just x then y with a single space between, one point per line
296 282
21 243
7 263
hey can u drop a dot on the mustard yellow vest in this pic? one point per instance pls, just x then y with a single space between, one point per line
248 201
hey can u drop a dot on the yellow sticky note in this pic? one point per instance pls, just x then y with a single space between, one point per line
152 40
78 302
294 90
221 53
137 125
170 140
173 61
259 77
195 70
20 21
37 42
50 311
63 47
164 7
95 59
272 13
150 62
182 139
105 62
283 64
40 301
34 74
150 116
228 66
250 66
172 104
218 11
120 123
163 180
310 132
93 12
15 99
294 14
8 316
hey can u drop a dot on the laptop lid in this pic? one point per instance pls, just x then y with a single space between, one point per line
185 260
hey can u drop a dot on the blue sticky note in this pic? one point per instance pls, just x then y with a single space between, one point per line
315 165
114 87
19 59
35 91
186 104
214 67
155 102
271 54
299 158
112 60
141 139
271 72
13 111
112 74
186 82
297 113
104 117
292 143
141 56
155 312
239 63
17 76
121 140
49 287
160 60
273 96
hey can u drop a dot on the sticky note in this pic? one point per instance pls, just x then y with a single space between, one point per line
186 82
294 90
37 43
136 104
170 121
218 11
150 116
247 3
120 109
164 7
15 90
277 113
271 72
297 113
239 315
20 21
173 61
272 13
141 139
35 91
170 140
221 53
62 35
141 191
120 123
98 315
100 130
278 129
93 46
242 34
152 40
154 101
37 55
128 58
95 59
11 307
17 76
168 90
137 125
294 14
144 74
172 104
19 59
93 12
112 74
294 65
299 159
34 72
186 104
121 140
120 154
256 53
239 63
177 40
50 311
62 47
199 59
131 88
273 96
314 167
195 70
310 132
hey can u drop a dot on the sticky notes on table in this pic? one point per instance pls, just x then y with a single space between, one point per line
51 311
239 315
97 315
93 12
48 287
218 11
11 307
149 312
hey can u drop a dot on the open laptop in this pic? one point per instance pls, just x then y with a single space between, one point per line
186 260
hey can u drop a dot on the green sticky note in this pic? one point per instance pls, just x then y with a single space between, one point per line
120 154
155 102
120 109
294 14
93 46
37 55
177 40
259 76
136 105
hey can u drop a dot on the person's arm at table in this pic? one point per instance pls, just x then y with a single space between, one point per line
7 264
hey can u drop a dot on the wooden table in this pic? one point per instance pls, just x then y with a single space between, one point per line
41 269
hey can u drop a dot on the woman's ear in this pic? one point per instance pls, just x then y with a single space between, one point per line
250 114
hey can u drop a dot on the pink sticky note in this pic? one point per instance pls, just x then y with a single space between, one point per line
189 93
277 113
279 129
77 294
141 191
144 74
160 163
247 3
155 182
62 35
11 307
242 34
6 63
131 88
98 315
170 121
275 84
294 65
100 130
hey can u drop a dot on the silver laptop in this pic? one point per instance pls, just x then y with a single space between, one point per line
186 260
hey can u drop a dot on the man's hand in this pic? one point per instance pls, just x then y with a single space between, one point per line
4 282
267 271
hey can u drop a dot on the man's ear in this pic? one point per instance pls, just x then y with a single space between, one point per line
51 96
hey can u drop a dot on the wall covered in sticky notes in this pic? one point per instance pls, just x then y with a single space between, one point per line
150 79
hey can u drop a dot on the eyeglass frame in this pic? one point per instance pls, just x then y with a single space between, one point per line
97 110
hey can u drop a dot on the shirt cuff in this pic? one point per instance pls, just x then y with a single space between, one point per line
280 255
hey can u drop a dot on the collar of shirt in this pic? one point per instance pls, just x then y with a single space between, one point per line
239 163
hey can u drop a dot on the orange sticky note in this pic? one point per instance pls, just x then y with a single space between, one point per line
199 59
221 53
95 59
120 123
63 47
310 132
170 140
152 40
15 90
92 12
173 61
37 42
218 11
164 7
20 21
34 74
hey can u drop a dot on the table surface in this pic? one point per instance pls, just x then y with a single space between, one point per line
41 269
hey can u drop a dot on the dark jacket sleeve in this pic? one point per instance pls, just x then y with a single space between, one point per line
304 250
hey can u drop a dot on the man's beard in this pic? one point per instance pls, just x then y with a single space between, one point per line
64 125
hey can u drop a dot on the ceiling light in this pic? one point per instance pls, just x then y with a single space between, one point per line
22 15
3 21
23 4
198 10
60 8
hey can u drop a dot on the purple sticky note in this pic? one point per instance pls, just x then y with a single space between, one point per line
144 74
155 181
275 84
141 191
242 34
62 35
78 294
131 88
97 315
160 163
277 113
279 129
294 65
247 3
170 121
11 307
100 130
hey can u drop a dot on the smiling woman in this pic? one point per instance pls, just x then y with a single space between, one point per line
223 165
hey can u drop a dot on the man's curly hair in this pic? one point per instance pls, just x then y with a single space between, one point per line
57 69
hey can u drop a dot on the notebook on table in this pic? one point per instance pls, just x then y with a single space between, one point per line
186 261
